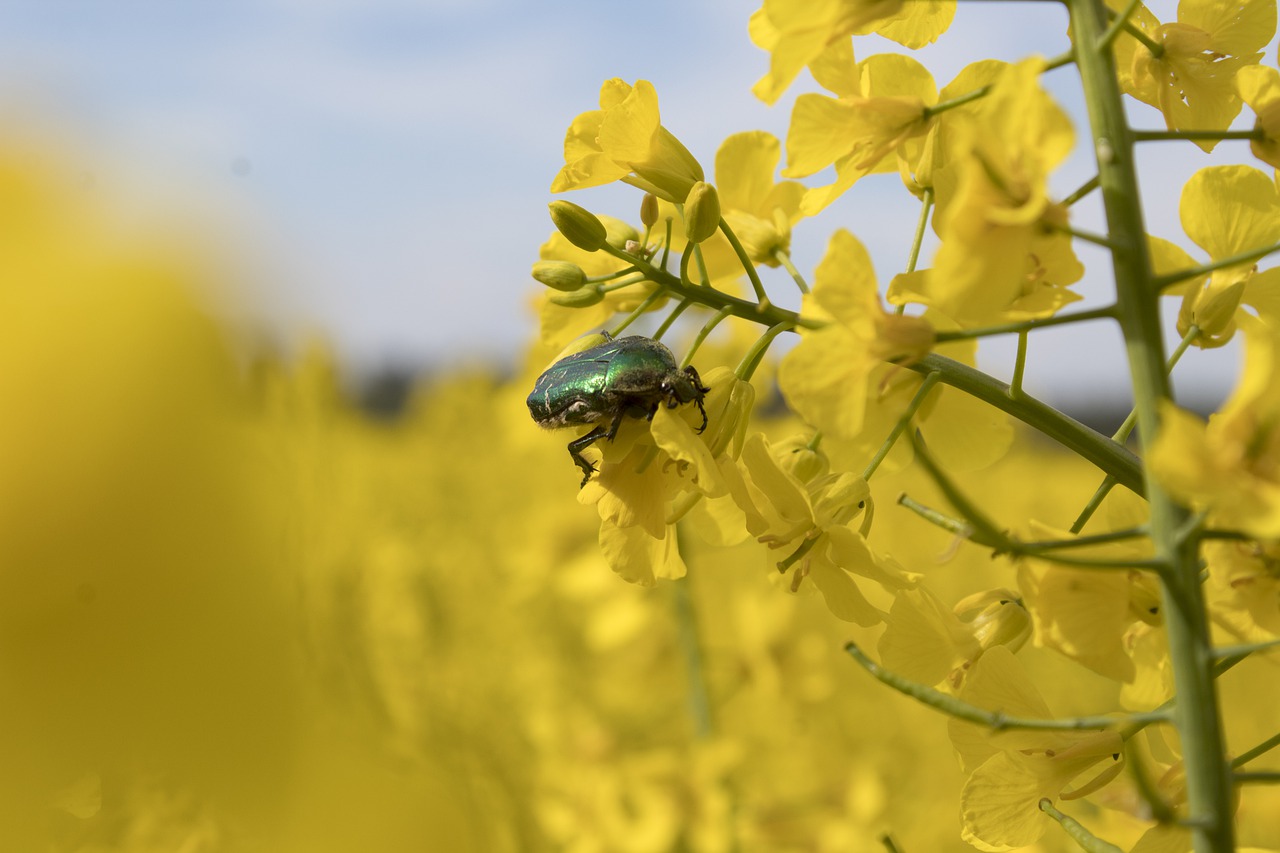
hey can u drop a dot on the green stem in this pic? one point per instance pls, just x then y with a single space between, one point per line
666 246
1261 749
1087 841
695 670
702 265
1019 366
1003 545
958 101
921 393
1157 49
889 845
984 528
639 310
922 224
671 318
1107 38
764 313
1084 189
1086 236
747 367
1107 313
1196 713
1085 541
994 720
1113 458
750 268
702 335
1255 135
785 259
1122 435
1265 777
1161 282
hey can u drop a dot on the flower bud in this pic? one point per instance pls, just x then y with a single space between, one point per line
578 225
618 233
583 297
1213 309
996 617
649 210
559 275
701 212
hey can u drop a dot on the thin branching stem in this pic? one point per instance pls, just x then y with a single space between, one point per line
994 720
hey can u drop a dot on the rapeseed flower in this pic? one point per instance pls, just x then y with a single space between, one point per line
1192 80
797 32
1230 467
1010 772
827 376
625 141
881 107
759 211
1000 258
1229 210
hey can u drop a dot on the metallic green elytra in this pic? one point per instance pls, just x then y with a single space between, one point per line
626 377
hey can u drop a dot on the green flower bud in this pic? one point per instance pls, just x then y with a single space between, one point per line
649 210
578 225
584 297
701 212
559 275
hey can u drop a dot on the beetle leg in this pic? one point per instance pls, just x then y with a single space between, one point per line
580 444
702 409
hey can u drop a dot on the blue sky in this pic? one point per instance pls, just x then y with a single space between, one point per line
383 165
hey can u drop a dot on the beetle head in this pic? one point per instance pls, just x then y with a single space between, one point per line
685 387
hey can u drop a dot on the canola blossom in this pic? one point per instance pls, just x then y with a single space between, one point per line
808 579
1137 578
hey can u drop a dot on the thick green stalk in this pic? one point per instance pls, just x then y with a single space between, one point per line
1196 712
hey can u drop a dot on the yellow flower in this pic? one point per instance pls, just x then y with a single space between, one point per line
1192 80
797 32
1259 87
927 642
1010 772
996 262
624 141
792 503
759 211
651 474
882 107
1227 210
1243 589
826 377
1230 467
1092 616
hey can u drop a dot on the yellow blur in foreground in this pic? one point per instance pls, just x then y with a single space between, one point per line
237 615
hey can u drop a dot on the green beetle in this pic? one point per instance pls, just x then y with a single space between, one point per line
630 376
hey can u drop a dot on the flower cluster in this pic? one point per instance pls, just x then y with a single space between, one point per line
882 386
